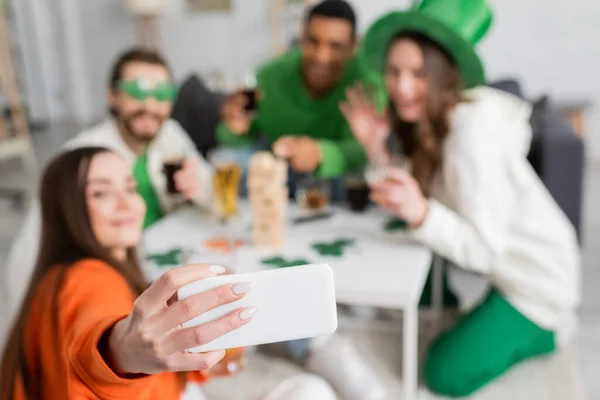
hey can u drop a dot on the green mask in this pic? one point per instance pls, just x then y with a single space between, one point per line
140 89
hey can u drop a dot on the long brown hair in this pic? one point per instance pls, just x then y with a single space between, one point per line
66 237
423 141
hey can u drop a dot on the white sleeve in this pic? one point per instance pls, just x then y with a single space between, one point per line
482 192
205 170
22 257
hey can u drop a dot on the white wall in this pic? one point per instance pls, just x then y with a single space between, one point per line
553 48
233 43
547 45
39 67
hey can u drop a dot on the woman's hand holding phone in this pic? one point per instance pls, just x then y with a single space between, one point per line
151 340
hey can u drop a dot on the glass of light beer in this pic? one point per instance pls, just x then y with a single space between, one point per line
228 174
235 359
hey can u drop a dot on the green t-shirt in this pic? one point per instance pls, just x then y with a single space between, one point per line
146 190
286 108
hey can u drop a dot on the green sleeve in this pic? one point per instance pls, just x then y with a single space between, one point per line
339 157
227 138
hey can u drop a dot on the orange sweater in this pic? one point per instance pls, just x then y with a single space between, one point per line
93 297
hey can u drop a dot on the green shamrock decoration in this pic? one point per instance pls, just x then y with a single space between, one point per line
171 257
280 262
333 249
395 224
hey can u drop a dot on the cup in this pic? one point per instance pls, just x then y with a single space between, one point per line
171 165
226 182
226 185
235 359
233 363
251 100
377 167
357 193
313 194
248 85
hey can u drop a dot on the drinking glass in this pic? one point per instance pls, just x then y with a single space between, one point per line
235 359
357 192
377 166
228 174
313 194
246 85
172 164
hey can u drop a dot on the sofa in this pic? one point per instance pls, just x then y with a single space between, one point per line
197 109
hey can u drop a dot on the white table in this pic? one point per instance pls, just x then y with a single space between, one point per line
383 269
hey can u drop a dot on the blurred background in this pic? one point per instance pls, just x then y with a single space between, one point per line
63 49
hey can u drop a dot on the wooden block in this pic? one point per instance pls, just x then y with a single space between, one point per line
266 208
270 176
269 221
270 244
262 211
269 238
268 195
254 182
273 207
265 169
266 239
262 160
269 207
268 226
273 195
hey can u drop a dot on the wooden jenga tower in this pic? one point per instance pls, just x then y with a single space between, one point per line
268 194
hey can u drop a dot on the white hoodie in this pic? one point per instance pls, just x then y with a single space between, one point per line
171 140
490 213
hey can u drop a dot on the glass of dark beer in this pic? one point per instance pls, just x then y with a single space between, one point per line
313 194
171 165
357 193
251 100
249 91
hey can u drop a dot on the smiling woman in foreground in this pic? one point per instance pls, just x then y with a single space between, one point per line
471 195
90 327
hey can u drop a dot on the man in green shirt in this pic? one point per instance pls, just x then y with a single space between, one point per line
140 93
141 96
299 97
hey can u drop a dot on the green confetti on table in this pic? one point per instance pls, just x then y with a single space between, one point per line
169 258
395 224
333 249
280 262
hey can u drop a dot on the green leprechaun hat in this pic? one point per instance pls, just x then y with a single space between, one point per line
455 25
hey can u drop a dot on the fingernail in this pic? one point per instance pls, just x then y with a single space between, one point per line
242 288
215 269
248 313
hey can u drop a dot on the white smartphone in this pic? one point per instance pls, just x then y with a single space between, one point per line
293 303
